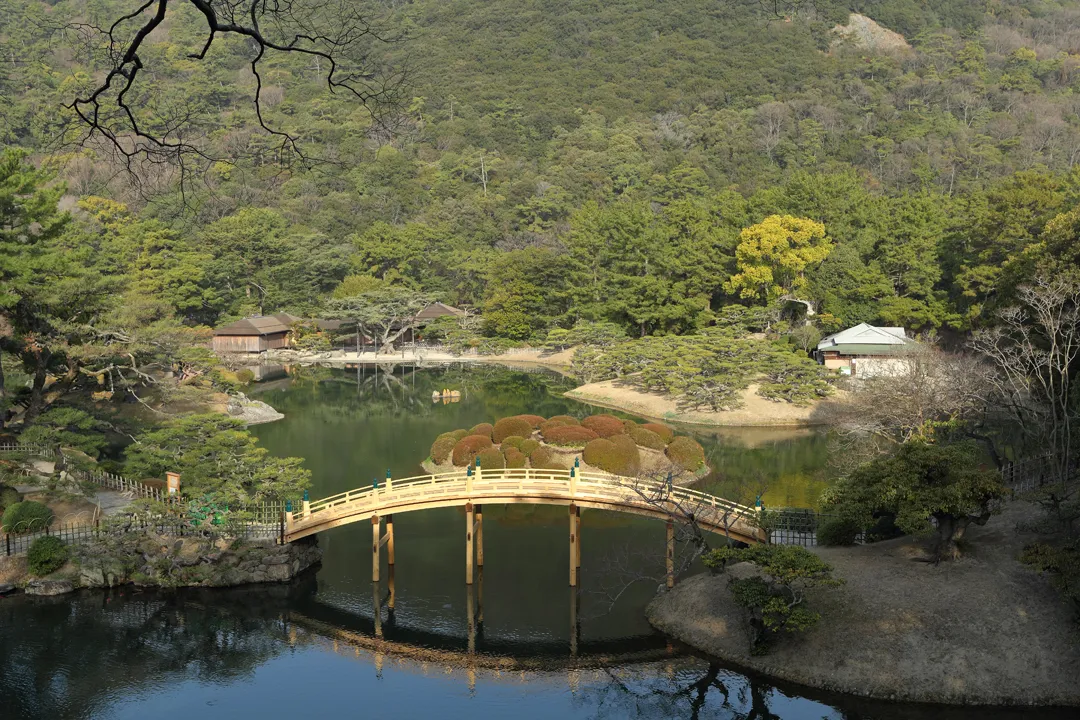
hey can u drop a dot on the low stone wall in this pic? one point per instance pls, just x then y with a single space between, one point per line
151 560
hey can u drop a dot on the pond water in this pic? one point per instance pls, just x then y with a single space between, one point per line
538 648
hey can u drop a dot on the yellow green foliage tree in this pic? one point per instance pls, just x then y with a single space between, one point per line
773 257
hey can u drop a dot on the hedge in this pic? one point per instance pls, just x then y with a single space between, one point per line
47 555
533 420
514 457
604 425
569 436
646 438
510 427
565 419
467 447
686 453
25 516
837 532
513 441
612 457
544 458
8 496
662 430
529 446
491 459
443 446
482 429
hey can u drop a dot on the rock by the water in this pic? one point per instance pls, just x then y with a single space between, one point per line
6 589
252 412
49 587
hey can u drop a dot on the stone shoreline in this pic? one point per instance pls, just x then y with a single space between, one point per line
982 630
151 560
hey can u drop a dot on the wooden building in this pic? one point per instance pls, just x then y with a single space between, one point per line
843 350
254 334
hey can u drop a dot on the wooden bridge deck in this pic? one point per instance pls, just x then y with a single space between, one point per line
526 485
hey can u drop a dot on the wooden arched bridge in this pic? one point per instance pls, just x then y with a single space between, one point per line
471 488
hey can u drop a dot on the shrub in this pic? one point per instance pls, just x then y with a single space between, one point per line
835 532
513 441
8 496
514 457
509 427
491 459
544 458
458 434
666 433
628 424
25 516
604 425
646 438
533 420
529 446
686 453
467 447
47 555
569 436
564 419
482 429
620 458
442 447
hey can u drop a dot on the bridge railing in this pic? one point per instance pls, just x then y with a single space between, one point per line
525 482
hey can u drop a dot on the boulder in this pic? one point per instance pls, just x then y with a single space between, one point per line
49 587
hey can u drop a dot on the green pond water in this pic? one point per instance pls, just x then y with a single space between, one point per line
319 646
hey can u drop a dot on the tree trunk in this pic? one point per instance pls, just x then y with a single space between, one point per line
37 391
950 530
3 394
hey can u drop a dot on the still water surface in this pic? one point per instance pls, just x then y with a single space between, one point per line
318 646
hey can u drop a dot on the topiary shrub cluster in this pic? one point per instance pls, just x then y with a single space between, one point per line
604 425
686 453
513 441
837 532
511 427
514 458
466 448
491 458
47 555
558 421
662 430
8 496
529 446
25 516
646 438
618 455
485 429
444 445
544 458
569 436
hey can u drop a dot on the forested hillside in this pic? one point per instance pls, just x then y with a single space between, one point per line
554 161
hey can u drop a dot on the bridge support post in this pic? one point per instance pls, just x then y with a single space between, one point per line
469 520
480 538
375 548
577 526
573 546
670 555
390 561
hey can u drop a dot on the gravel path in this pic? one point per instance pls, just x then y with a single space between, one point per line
984 629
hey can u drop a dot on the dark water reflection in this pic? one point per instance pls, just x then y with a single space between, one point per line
318 646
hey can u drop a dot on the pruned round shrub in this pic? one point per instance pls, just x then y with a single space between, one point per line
837 532
662 430
529 446
646 438
8 496
564 419
25 516
513 441
552 424
442 447
491 459
686 453
620 458
628 424
514 457
458 434
604 425
533 420
47 555
569 436
467 447
511 426
482 429
544 458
